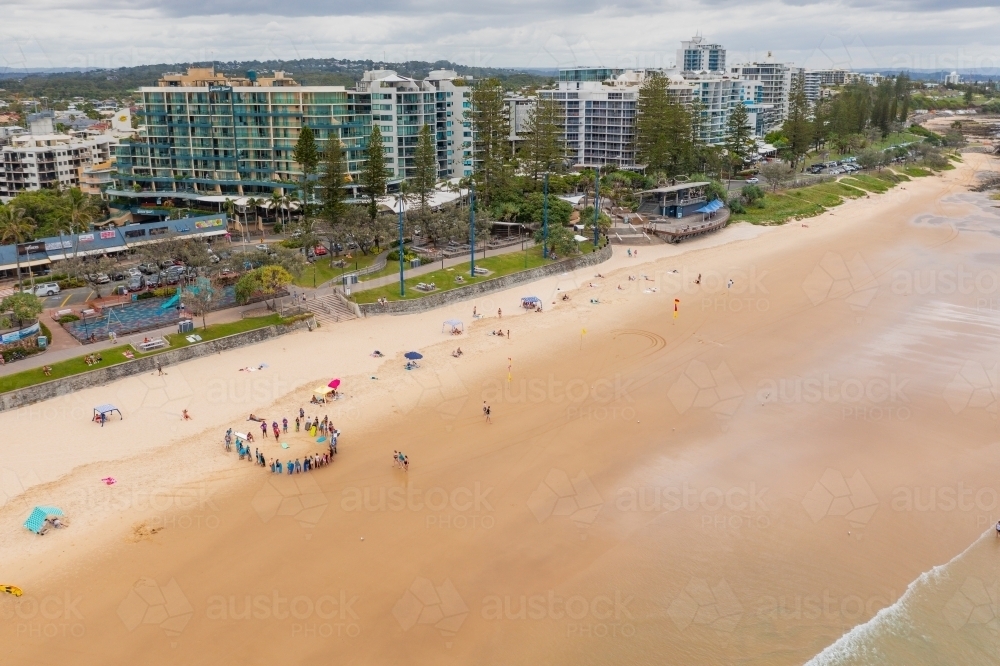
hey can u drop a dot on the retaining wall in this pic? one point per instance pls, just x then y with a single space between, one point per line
101 376
437 300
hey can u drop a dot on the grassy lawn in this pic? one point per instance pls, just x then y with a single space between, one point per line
500 265
894 139
916 172
780 207
115 355
324 272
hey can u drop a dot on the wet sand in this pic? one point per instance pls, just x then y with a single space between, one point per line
743 483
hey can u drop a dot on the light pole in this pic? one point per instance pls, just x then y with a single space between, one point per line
402 285
545 218
472 229
597 204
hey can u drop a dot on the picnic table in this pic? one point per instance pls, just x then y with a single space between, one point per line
149 345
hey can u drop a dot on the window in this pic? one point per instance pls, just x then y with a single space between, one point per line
158 231
134 233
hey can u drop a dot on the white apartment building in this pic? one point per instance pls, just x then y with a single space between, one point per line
401 106
49 161
694 56
598 117
518 109
954 79
776 79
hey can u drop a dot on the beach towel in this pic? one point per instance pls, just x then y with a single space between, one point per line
284 446
321 440
109 480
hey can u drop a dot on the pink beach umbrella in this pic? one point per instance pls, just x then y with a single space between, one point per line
334 384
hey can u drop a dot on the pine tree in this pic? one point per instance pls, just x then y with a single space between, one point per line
373 178
491 129
425 176
739 138
664 129
307 156
543 146
332 182
798 128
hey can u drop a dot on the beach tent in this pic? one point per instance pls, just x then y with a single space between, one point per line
322 392
106 410
530 301
36 521
454 324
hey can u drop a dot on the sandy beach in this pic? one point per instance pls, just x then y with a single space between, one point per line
744 482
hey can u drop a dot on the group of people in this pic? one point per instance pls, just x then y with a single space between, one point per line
312 425
93 359
400 460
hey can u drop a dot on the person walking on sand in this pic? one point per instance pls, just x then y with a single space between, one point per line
284 426
499 313
729 285
484 408
186 416
263 429
302 413
274 426
488 419
630 252
395 458
297 424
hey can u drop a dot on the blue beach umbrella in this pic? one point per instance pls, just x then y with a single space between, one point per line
413 355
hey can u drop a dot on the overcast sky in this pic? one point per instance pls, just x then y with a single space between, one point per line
925 34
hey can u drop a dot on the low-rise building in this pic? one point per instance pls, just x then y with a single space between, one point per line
49 161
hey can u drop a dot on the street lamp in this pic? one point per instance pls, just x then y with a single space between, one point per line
472 229
597 204
545 218
402 285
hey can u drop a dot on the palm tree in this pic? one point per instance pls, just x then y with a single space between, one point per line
276 200
82 212
251 207
15 227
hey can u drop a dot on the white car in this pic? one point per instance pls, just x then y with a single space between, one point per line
753 180
43 289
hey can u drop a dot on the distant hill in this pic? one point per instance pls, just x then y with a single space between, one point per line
118 83
939 74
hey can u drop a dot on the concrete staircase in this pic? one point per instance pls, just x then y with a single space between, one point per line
330 309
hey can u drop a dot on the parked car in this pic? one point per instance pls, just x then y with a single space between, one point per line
102 278
132 272
136 283
153 280
262 247
43 289
213 258
149 268
228 274
753 180
320 251
117 275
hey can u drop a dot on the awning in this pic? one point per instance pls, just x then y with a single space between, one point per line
711 207
531 299
453 324
106 409
36 521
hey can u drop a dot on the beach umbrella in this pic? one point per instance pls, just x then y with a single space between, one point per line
36 520
413 355
334 384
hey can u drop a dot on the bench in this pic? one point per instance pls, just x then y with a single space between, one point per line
150 345
59 314
88 312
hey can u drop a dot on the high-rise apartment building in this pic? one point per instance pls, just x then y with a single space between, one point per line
694 56
206 134
776 80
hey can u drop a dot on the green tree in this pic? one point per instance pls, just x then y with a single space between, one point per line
24 307
248 285
15 228
491 132
542 148
373 178
307 156
333 197
425 176
798 127
740 143
664 139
